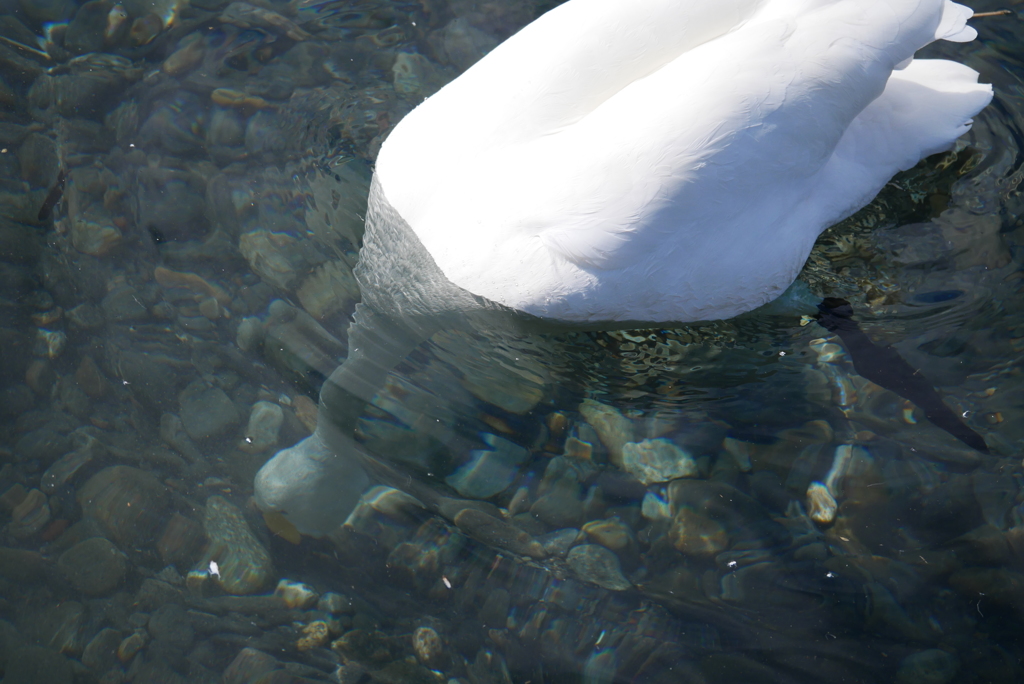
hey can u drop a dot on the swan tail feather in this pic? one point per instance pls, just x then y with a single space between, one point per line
924 109
953 26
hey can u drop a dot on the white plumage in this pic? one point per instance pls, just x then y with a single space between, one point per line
671 160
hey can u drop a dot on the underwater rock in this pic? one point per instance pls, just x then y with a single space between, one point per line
277 258
130 645
30 516
94 567
226 128
43 445
559 542
33 664
696 534
311 485
154 593
172 203
657 460
250 666
821 505
91 379
127 503
244 15
249 334
181 541
263 428
611 533
596 564
463 44
516 389
329 290
172 127
314 635
614 429
58 627
86 87
20 565
496 532
85 316
488 471
335 604
172 432
123 304
206 412
368 646
243 562
933 666
296 594
38 159
65 467
561 504
169 625
85 33
192 282
47 10
428 647
100 654
416 76
298 345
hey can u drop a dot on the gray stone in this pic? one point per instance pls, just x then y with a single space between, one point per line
206 411
170 624
264 427
226 129
561 505
172 126
249 334
657 460
85 32
85 316
47 10
42 445
927 667
94 566
101 653
39 163
248 666
464 44
123 304
34 665
58 627
128 504
596 564
243 562
489 471
154 593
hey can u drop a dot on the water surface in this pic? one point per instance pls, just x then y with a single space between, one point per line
181 204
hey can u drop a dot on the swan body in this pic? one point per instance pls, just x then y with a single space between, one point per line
625 162
659 160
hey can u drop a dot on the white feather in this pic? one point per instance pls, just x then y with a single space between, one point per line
670 161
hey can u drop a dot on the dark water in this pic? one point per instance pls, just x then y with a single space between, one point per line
181 204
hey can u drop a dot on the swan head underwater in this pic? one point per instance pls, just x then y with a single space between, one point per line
620 163
663 161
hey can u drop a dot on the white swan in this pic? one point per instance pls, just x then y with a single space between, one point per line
624 162
667 160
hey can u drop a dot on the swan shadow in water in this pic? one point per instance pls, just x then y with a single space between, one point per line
884 366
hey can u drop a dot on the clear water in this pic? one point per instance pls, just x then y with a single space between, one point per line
180 209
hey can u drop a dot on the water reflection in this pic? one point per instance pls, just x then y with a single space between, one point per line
720 502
